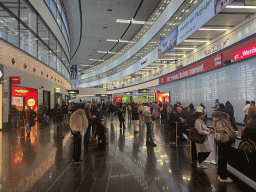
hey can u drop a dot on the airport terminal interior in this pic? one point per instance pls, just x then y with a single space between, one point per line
127 95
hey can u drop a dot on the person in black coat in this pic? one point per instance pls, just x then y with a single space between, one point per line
135 118
172 119
100 129
120 114
250 130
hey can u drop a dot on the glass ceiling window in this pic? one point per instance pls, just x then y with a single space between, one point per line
58 12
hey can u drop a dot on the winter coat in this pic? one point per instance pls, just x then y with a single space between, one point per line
78 121
135 113
224 131
173 118
120 114
88 115
140 109
58 116
147 115
112 108
203 130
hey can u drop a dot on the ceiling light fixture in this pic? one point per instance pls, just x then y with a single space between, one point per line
240 7
120 40
183 48
130 21
174 54
191 40
208 29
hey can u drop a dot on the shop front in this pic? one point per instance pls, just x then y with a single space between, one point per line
47 98
147 98
163 97
57 97
23 97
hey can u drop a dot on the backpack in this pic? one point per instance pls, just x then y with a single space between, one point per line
248 147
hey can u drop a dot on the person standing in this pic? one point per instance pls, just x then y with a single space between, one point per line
90 118
140 109
252 110
58 117
129 109
148 121
135 118
203 149
27 120
112 110
121 118
224 137
246 110
216 104
15 114
78 123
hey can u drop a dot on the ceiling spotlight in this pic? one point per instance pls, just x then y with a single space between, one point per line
208 29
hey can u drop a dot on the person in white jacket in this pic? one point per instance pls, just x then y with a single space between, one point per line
78 123
148 121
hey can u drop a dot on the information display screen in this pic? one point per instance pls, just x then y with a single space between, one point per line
235 83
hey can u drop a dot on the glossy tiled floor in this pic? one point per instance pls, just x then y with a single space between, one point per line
44 163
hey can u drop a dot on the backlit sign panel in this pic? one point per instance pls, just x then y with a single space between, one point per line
15 80
143 90
245 53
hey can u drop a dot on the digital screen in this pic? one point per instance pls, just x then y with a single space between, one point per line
235 83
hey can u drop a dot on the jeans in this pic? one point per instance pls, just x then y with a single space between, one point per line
112 116
27 127
59 128
149 132
223 153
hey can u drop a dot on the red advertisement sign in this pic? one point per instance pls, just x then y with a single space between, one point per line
15 80
245 53
206 65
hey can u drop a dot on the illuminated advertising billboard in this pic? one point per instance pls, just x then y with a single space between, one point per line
168 43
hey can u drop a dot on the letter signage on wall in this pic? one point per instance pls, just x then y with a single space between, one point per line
206 65
245 53
143 90
15 80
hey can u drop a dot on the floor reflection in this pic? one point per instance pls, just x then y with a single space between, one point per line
44 163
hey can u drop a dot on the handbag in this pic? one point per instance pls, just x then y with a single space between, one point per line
195 136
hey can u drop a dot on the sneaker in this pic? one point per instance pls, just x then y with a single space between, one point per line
78 161
213 162
202 166
228 180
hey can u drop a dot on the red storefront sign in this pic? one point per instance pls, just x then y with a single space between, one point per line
245 53
15 80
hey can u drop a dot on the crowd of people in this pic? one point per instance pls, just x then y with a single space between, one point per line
88 118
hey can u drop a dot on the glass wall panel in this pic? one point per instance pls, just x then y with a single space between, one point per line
3 24
12 5
43 53
59 66
53 8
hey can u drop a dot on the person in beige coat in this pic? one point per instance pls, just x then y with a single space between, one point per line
78 123
140 110
203 149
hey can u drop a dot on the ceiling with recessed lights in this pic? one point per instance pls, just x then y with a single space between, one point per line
108 26
99 24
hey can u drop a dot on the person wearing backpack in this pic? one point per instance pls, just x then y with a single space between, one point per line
224 137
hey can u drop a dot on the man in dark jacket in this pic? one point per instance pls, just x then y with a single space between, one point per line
90 120
58 120
15 114
112 109
135 117
120 114
172 122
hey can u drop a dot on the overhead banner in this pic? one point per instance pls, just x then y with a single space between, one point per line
203 13
168 43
